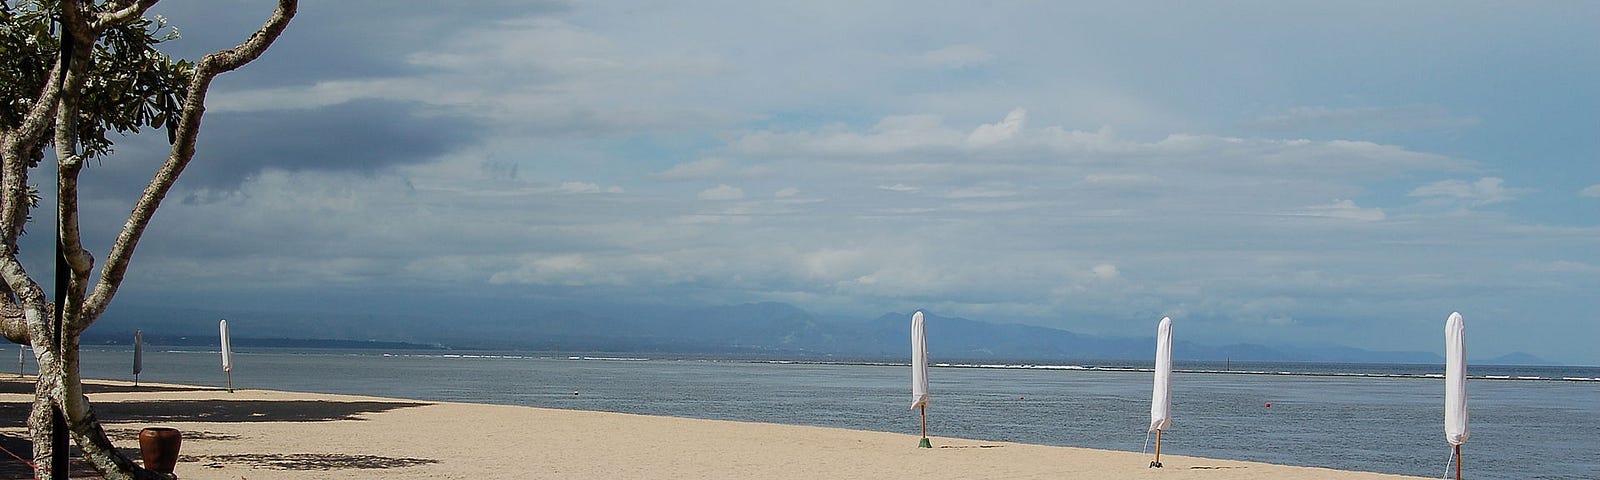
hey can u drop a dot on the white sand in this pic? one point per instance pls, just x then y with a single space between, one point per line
469 441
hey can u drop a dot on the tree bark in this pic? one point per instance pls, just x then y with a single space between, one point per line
13 324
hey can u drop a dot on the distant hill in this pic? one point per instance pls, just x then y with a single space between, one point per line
754 328
1515 358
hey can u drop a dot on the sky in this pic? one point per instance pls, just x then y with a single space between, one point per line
1269 172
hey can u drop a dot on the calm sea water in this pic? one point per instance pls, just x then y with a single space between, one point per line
1527 422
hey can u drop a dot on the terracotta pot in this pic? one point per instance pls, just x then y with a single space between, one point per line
158 447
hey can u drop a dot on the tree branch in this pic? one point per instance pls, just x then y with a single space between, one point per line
182 152
69 164
33 310
76 24
17 148
80 261
224 61
14 324
130 11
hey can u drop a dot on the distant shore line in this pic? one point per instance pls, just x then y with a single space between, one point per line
1096 368
998 366
1030 366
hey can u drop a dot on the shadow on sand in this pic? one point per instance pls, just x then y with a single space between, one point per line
14 414
24 385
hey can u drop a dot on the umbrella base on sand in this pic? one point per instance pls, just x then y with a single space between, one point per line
925 443
1155 464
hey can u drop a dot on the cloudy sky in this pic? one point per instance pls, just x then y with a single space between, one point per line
1285 172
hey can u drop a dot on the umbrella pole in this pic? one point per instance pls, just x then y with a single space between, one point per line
230 382
925 443
1458 462
1157 462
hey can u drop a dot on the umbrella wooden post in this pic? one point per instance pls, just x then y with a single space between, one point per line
230 381
1157 462
1458 462
925 443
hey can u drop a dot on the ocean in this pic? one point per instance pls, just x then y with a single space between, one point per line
1531 422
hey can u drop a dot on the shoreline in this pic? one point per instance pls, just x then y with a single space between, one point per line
268 434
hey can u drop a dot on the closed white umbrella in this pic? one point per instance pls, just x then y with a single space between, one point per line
227 355
919 372
1161 393
1455 385
138 355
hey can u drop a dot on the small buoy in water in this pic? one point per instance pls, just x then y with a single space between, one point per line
1019 398
575 392
1269 404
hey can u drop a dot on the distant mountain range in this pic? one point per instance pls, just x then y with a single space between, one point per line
757 328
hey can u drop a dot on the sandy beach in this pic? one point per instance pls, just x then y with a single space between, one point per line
260 434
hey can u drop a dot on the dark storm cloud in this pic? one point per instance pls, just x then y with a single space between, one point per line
335 40
358 136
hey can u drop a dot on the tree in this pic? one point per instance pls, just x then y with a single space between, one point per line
102 75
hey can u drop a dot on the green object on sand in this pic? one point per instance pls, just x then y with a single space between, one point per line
925 443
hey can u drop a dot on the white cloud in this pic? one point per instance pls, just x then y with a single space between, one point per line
1485 191
1563 266
892 134
319 94
922 145
1269 311
786 192
1345 209
722 192
579 187
980 192
551 77
955 57
1591 191
696 170
836 265
1386 118
1106 271
899 187
579 270
1121 179
993 133
558 269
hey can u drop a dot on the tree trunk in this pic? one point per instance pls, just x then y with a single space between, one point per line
60 385
85 427
25 312
41 423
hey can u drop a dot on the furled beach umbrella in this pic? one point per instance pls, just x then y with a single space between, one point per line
1161 393
138 355
919 373
227 355
22 351
1455 385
